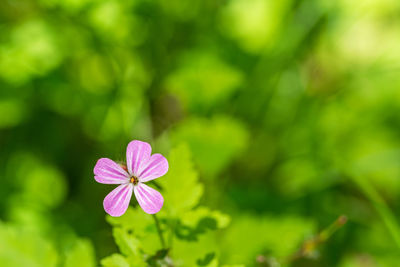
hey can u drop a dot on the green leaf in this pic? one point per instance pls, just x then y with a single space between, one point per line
199 221
159 258
308 177
206 260
188 253
115 260
39 183
180 185
22 247
250 235
127 243
31 51
134 220
254 23
210 80
81 254
140 225
214 142
193 217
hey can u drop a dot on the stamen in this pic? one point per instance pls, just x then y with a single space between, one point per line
134 180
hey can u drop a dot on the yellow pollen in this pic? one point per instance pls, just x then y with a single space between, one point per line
134 180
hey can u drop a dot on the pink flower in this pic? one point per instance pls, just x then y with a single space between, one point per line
141 167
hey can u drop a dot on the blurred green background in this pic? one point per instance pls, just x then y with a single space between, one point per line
289 109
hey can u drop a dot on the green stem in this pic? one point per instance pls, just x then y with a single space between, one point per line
311 245
160 235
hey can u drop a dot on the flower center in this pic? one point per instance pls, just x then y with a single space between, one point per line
134 180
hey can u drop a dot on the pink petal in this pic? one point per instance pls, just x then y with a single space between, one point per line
137 154
107 171
117 202
149 199
157 166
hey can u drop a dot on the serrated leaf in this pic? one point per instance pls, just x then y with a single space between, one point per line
181 189
187 253
133 219
141 226
127 243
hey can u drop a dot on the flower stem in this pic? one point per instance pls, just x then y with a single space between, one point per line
309 246
160 235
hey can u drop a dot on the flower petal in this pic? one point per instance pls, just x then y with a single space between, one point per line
117 202
137 154
157 166
107 171
150 200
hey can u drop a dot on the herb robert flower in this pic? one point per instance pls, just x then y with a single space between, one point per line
140 168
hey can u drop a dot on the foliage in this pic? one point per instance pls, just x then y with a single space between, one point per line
182 222
276 117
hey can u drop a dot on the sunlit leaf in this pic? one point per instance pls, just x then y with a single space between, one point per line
115 260
19 247
138 227
127 243
277 236
206 260
253 23
214 142
82 253
210 80
181 189
193 217
32 50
